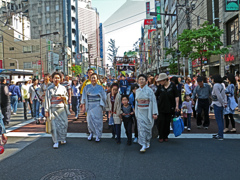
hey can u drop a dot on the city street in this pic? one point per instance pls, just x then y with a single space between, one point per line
29 155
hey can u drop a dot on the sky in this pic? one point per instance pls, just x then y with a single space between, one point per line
130 13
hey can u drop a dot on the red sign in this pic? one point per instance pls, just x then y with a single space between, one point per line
39 62
149 31
229 58
1 64
148 22
148 8
197 62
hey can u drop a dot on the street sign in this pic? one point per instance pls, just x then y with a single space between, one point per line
158 12
232 5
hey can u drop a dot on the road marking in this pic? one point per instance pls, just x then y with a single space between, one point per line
19 125
109 135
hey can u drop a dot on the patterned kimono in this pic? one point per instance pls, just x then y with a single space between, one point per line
58 111
94 98
145 107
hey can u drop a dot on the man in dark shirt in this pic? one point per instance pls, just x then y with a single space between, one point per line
5 101
168 103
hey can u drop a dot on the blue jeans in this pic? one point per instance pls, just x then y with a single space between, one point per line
117 129
218 111
35 108
75 104
187 121
14 103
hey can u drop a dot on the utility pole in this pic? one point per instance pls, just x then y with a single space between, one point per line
177 36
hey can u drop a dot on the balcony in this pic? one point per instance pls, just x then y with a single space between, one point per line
73 49
73 37
73 13
73 2
73 25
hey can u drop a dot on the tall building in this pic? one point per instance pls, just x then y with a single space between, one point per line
88 19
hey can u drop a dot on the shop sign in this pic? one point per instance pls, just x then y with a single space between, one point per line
232 5
197 62
229 58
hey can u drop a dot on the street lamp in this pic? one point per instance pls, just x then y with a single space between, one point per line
42 35
16 61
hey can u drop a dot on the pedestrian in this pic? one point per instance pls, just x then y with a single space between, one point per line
25 98
56 101
187 108
153 85
5 101
3 137
231 103
188 87
94 103
168 104
75 97
113 106
43 88
219 101
15 96
35 99
146 111
67 84
127 113
123 85
203 92
179 87
132 100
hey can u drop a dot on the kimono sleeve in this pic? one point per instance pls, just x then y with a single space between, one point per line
154 103
104 98
84 95
47 101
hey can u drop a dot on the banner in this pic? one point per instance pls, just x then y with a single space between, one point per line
232 5
101 40
149 31
147 9
148 22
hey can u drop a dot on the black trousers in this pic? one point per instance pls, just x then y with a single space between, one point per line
163 124
227 120
128 127
25 105
203 105
135 127
6 112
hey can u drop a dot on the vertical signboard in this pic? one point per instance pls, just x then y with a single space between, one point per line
1 64
232 5
101 40
147 10
158 11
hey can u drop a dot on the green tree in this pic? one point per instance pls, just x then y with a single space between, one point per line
202 43
173 66
77 69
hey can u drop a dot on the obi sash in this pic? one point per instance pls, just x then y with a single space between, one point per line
56 100
143 102
93 98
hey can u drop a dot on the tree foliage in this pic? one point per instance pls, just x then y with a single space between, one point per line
112 49
201 43
77 69
173 66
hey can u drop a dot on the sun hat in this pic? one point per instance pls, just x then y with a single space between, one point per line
162 76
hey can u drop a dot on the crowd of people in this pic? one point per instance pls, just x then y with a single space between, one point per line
139 103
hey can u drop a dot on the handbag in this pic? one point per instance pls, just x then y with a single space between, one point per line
178 126
48 126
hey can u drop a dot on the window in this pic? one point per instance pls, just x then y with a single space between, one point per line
12 64
39 21
232 31
85 40
48 31
35 48
48 20
27 49
47 8
39 9
57 19
173 18
27 65
11 49
57 7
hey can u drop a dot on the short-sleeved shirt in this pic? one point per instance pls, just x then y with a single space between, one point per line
166 98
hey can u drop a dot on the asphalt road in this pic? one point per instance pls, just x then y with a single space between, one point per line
178 159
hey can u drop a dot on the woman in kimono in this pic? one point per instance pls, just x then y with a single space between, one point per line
113 106
56 109
94 102
146 111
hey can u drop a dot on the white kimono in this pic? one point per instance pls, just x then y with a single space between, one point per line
58 111
145 108
94 98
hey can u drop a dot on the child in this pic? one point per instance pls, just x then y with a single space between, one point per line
132 97
123 85
127 113
113 106
187 112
